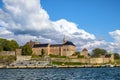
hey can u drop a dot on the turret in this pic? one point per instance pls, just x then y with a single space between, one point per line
64 40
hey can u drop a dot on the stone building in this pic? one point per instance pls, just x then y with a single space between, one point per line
67 48
84 52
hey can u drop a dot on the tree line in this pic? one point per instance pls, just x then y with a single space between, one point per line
8 45
12 45
97 52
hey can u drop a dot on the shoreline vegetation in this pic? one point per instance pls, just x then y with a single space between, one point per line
12 57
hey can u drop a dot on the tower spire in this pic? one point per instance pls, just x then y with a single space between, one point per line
64 39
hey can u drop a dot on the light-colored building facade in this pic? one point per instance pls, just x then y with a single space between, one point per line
84 52
67 48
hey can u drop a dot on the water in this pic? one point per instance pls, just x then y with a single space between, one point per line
61 74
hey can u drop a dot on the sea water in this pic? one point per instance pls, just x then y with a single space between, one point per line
61 74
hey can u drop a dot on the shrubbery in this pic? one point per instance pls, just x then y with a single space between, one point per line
67 63
6 60
80 56
56 56
8 45
26 50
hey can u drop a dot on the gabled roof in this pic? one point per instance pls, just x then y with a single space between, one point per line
40 45
84 49
68 43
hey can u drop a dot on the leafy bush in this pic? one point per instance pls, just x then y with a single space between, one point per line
116 56
97 52
56 56
26 50
68 63
79 56
35 56
8 45
6 60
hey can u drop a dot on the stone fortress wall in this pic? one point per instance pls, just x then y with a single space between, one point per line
7 53
74 59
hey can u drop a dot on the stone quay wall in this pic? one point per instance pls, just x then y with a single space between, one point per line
8 53
84 60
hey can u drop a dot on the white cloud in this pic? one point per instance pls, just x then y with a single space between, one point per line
115 46
65 26
24 16
4 32
25 20
116 35
70 28
22 39
28 17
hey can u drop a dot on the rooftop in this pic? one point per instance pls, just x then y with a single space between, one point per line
68 43
55 45
40 45
84 49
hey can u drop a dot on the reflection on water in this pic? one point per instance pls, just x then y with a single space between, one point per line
61 74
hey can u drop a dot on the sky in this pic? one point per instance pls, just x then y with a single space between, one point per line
95 16
87 23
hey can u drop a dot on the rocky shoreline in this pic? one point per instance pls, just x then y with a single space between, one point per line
56 66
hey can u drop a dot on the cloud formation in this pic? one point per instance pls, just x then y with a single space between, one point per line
25 20
116 35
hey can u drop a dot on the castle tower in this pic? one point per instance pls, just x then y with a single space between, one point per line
37 41
64 39
31 43
84 52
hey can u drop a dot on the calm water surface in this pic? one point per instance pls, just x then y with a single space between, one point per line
61 74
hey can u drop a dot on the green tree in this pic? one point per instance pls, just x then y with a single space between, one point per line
76 54
116 56
42 52
26 50
97 52
2 44
14 45
8 45
1 48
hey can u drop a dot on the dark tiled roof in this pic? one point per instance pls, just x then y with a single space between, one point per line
55 45
84 49
40 45
52 45
69 43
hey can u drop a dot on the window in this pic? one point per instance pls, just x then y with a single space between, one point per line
67 49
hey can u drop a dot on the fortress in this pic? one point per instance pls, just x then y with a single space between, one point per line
67 48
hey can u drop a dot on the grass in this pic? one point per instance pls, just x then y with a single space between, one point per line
7 59
117 61
67 63
79 56
36 56
57 56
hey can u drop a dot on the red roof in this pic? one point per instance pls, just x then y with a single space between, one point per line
84 49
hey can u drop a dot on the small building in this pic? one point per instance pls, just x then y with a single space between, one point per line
84 52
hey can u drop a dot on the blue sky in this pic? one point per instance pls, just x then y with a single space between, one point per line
0 3
98 17
87 23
